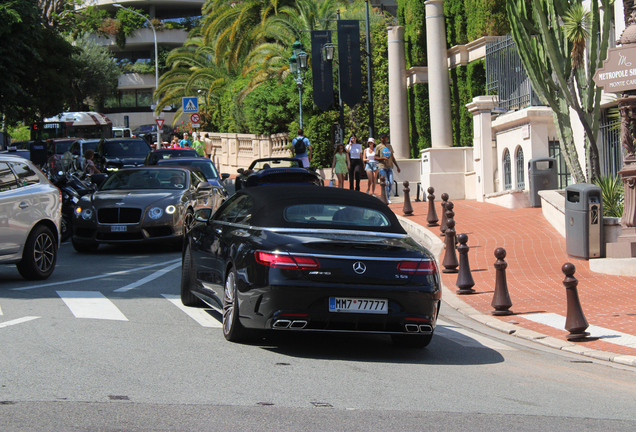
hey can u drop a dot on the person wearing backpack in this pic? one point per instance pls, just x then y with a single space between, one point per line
302 148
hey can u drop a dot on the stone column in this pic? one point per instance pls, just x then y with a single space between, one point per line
398 109
481 108
438 83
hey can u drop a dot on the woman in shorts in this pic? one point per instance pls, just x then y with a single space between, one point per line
370 165
341 164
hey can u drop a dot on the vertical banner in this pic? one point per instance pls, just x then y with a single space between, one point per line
349 61
321 70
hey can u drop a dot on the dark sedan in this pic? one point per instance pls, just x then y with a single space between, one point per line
114 154
205 165
145 204
169 153
268 171
306 258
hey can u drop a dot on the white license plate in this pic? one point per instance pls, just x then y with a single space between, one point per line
118 228
358 305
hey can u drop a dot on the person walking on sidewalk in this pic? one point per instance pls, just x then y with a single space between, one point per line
355 157
198 145
386 160
370 165
340 164
302 148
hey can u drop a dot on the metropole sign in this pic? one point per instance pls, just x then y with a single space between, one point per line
618 73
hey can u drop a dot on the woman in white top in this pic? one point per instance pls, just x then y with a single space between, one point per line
370 165
355 156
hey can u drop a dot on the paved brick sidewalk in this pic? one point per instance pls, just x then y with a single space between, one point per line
535 254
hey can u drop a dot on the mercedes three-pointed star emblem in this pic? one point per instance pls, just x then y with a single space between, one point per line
359 267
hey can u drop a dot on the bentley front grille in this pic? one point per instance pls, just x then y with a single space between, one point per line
116 215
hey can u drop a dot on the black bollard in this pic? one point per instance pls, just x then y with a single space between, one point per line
450 256
442 225
431 218
465 281
408 208
417 193
575 321
383 196
501 299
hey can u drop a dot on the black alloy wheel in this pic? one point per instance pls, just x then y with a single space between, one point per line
233 330
66 229
188 221
40 254
187 276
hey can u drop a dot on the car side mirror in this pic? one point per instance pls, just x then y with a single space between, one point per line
225 175
204 187
202 215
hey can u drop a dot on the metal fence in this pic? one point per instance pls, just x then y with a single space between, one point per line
610 150
506 76
564 179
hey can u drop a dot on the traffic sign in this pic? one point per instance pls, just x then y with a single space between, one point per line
195 118
159 123
190 104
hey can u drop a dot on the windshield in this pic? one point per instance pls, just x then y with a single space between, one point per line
333 214
275 163
204 165
146 179
137 149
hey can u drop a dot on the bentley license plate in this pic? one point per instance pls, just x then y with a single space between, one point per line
118 228
358 305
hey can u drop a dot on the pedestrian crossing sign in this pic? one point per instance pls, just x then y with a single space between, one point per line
190 104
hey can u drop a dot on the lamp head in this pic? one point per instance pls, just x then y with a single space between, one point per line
297 47
327 51
293 64
302 60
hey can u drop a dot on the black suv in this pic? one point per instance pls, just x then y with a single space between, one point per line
149 133
113 154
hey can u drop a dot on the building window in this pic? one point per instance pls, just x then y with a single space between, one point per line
521 183
140 98
507 170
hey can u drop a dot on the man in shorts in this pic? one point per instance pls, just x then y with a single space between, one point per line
386 160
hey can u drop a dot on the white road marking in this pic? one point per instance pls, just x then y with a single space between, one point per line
149 278
606 335
91 304
98 276
197 314
17 321
467 338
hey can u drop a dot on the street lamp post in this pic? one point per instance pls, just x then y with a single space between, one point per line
154 35
298 67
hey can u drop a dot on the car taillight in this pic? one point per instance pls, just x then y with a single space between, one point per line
425 267
286 261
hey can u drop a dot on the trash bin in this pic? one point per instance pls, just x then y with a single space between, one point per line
543 175
584 221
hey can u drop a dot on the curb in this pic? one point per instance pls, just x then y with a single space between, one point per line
427 239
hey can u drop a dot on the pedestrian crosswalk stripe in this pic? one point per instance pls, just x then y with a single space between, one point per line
606 335
91 304
17 321
149 278
199 315
467 338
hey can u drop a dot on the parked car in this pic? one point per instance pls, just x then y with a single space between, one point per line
169 153
274 171
149 132
30 214
302 258
114 154
205 165
142 205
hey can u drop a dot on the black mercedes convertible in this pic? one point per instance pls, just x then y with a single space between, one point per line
303 258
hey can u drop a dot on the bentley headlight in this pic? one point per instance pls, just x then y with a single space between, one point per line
87 214
171 209
155 213
112 169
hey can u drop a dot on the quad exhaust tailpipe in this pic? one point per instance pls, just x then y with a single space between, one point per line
414 328
287 324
